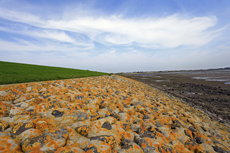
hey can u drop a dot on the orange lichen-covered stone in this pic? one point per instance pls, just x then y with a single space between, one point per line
147 144
105 138
33 142
128 146
76 138
21 127
44 125
103 114
69 149
4 109
8 145
83 130
97 146
3 125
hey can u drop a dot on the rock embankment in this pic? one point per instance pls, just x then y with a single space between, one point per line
103 114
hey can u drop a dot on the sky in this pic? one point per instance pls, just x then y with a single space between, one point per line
116 35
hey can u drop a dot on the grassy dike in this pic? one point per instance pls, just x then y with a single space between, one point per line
20 73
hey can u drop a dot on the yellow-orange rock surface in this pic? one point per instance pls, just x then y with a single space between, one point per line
103 114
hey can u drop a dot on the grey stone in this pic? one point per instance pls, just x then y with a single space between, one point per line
20 127
57 113
107 125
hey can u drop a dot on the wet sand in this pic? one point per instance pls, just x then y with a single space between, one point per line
208 90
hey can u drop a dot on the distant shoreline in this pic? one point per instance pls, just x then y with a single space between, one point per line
136 72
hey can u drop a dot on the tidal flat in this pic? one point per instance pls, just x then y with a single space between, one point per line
208 90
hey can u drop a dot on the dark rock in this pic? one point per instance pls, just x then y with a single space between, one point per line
4 109
107 125
158 130
101 106
92 149
146 117
78 107
145 145
30 112
219 137
215 141
45 95
21 127
70 87
126 126
115 115
167 149
81 116
186 133
28 143
54 104
109 139
136 121
45 137
190 142
124 97
83 130
220 149
176 124
125 144
204 128
79 97
57 134
150 133
199 140
3 126
192 129
57 113
151 129
95 116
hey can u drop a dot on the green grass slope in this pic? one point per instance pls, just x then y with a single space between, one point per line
20 73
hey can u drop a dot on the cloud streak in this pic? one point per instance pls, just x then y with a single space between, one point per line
155 33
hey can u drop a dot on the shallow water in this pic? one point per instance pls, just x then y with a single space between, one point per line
221 79
160 80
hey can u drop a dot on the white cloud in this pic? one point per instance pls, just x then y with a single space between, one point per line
53 35
167 32
59 36
23 45
49 34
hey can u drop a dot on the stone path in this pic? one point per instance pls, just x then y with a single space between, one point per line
103 114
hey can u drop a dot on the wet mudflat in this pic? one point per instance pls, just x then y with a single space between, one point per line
208 90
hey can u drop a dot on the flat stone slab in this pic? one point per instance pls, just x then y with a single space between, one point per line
103 114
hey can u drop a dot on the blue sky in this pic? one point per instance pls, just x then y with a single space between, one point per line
116 35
